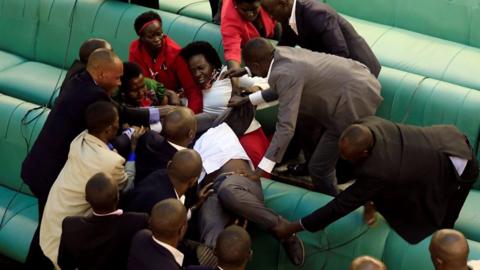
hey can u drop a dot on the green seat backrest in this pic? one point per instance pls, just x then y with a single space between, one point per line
200 10
15 140
57 18
18 26
455 20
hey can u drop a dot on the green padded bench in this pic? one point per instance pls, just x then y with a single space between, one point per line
33 44
18 209
32 55
401 33
336 246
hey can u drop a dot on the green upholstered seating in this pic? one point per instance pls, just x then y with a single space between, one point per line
425 81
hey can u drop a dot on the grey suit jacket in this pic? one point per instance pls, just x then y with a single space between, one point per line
335 91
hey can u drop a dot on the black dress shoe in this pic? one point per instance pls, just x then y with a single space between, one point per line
300 169
295 249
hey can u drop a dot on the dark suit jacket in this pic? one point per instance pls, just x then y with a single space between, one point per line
409 177
146 254
65 121
76 68
153 153
98 242
322 29
199 267
154 188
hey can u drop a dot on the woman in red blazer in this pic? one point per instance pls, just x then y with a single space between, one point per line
158 56
241 21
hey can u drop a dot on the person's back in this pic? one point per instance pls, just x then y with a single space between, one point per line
328 82
154 150
102 239
408 164
156 248
154 188
409 150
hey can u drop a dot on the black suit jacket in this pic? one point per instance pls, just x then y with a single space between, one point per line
154 188
146 254
322 29
76 68
409 177
65 121
153 153
98 242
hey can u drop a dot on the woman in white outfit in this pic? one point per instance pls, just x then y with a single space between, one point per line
206 68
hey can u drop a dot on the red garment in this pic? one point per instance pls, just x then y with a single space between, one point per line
236 31
255 144
170 69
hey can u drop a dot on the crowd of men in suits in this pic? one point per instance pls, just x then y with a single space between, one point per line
155 186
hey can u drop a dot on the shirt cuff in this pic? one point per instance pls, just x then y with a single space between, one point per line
256 98
266 165
301 224
129 132
157 127
154 115
248 71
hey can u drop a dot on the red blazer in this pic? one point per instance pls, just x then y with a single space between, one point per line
237 31
170 69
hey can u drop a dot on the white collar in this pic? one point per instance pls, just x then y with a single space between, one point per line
270 68
293 20
176 146
181 199
117 212
177 255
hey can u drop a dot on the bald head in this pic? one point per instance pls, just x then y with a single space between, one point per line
355 142
258 54
233 247
449 249
367 263
186 166
91 45
106 69
168 220
101 193
180 126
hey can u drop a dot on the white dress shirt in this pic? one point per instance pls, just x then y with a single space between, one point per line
217 146
474 265
257 98
292 22
117 212
176 146
177 255
459 164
